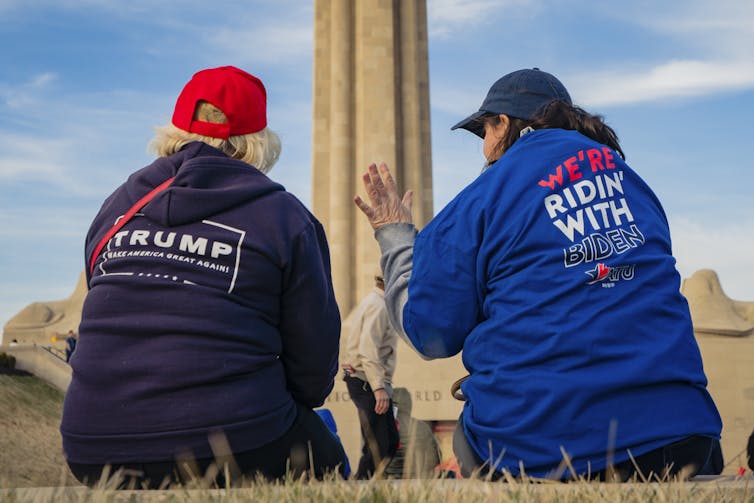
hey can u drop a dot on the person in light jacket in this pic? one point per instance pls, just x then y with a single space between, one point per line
369 364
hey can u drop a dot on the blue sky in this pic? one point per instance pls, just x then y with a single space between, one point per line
83 83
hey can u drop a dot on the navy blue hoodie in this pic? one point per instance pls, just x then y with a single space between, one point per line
212 310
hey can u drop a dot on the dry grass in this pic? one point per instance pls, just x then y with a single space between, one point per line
446 491
33 470
30 445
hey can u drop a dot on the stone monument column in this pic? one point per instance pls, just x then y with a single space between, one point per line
371 104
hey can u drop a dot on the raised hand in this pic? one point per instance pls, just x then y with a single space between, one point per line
386 206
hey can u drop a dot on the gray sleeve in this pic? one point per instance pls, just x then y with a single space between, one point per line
397 246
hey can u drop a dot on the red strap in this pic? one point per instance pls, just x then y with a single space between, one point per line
125 218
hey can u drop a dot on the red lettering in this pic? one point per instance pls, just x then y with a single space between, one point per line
573 169
557 177
595 159
609 164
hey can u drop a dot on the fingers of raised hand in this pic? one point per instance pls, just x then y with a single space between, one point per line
375 180
387 178
364 207
385 205
408 199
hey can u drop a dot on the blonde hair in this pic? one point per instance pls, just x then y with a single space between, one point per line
260 149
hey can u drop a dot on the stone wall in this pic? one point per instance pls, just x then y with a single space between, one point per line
41 363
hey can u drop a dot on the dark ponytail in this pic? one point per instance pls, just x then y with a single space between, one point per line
560 115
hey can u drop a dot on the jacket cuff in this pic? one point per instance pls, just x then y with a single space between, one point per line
392 235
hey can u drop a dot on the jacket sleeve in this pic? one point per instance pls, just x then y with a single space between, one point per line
431 287
310 320
397 246
371 340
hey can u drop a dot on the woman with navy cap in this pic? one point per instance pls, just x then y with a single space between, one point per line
553 273
210 330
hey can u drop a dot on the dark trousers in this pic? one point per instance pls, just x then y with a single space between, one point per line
307 440
378 431
696 455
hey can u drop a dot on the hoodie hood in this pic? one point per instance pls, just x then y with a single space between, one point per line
207 181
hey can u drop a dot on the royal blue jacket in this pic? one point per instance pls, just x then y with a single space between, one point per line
211 311
553 273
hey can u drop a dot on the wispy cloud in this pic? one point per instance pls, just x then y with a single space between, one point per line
673 79
27 93
725 248
6 5
724 28
59 142
719 37
712 46
446 17
33 159
282 43
165 9
52 223
456 101
240 31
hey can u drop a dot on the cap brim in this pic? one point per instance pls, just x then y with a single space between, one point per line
472 124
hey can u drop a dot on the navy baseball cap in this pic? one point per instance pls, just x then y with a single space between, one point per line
519 94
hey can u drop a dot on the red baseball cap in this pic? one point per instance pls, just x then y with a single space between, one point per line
238 94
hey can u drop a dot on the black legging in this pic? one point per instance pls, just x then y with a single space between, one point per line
702 455
378 431
270 461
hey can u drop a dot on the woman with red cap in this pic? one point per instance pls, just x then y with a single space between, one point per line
210 330
553 273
